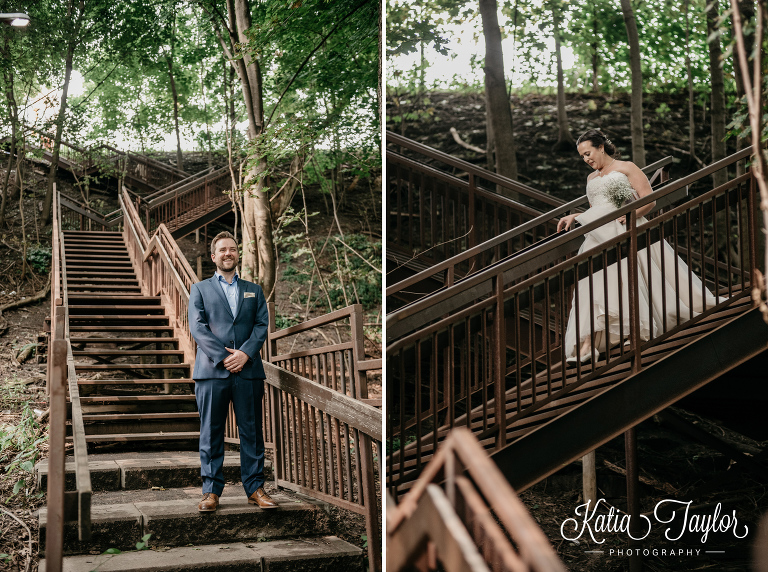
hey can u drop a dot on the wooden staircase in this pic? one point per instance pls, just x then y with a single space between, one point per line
493 341
120 391
557 398
133 382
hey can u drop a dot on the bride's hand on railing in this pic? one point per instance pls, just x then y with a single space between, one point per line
566 222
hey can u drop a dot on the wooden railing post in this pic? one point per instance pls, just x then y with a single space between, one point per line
471 211
630 437
371 502
54 533
271 344
499 362
358 351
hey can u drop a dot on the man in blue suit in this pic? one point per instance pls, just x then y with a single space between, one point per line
228 318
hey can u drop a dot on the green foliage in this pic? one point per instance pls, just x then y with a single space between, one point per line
282 322
663 110
39 257
19 444
351 272
144 543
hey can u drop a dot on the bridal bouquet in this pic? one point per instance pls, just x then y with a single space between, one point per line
619 192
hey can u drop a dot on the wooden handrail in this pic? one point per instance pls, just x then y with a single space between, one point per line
177 184
395 139
62 377
460 453
313 323
449 299
89 212
174 193
453 262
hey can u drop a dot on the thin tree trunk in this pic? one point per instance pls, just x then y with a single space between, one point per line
564 138
747 11
595 48
496 95
13 116
260 216
717 115
71 45
691 115
638 140
175 95
379 90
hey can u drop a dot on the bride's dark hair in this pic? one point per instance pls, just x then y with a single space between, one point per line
597 138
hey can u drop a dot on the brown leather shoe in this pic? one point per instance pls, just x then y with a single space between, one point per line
209 503
262 499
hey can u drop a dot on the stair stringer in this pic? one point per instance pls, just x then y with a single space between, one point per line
607 415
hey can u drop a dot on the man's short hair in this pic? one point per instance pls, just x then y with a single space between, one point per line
218 237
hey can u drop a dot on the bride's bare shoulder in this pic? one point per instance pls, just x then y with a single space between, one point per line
628 168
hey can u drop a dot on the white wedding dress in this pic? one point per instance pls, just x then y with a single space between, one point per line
602 305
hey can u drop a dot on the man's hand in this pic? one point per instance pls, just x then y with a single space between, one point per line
235 362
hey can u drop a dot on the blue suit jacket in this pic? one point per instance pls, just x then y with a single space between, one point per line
215 328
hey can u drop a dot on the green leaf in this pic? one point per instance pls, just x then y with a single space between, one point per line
112 551
27 466
17 487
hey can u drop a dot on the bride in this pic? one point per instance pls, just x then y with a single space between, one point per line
598 311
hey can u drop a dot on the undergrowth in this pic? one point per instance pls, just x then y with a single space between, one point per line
21 438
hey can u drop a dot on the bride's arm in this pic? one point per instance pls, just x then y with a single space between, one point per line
642 187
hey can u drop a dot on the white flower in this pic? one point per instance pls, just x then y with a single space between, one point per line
618 191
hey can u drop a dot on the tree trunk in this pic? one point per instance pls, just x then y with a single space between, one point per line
175 95
499 111
564 138
259 264
13 116
379 91
71 45
691 116
595 48
747 11
717 115
638 141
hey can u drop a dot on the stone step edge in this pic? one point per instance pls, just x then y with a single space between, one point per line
232 556
177 522
135 474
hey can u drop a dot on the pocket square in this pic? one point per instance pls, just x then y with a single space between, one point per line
249 295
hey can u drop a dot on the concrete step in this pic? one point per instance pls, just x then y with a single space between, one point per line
322 554
120 519
114 472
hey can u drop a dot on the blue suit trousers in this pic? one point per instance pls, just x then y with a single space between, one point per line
213 398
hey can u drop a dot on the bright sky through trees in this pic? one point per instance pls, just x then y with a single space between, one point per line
463 64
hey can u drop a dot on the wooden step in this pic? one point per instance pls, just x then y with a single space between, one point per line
108 309
118 341
149 300
132 328
129 366
106 288
123 437
160 397
98 280
97 268
88 272
90 247
98 233
117 317
170 416
153 381
99 352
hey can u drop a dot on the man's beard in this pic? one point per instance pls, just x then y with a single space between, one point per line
221 267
